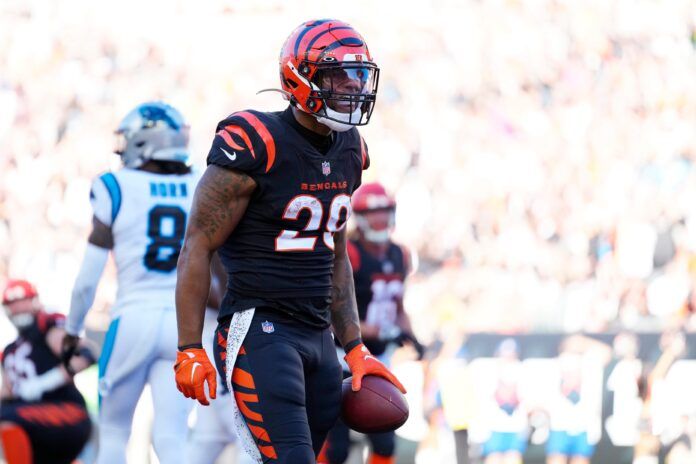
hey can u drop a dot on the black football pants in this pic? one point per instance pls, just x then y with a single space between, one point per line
57 430
287 385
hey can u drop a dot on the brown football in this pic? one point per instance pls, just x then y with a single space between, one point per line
378 407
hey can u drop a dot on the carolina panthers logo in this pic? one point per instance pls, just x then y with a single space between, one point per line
153 114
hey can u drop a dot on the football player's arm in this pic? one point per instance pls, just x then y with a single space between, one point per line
344 309
6 390
218 283
345 320
82 357
402 319
220 200
99 243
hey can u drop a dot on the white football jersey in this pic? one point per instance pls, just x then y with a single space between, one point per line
147 213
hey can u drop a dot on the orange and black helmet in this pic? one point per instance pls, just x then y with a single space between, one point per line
326 70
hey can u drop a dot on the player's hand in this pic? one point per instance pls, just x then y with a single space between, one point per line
68 348
192 370
362 363
407 337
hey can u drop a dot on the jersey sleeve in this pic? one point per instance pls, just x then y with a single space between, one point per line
362 162
365 154
243 142
105 197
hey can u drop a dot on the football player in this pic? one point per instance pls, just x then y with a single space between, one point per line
380 268
43 417
140 215
273 202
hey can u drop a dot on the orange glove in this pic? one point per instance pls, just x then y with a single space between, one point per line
191 370
362 363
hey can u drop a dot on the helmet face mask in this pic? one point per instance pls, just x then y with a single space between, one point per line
326 70
377 225
346 92
152 131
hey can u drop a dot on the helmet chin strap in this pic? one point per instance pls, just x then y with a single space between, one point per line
340 122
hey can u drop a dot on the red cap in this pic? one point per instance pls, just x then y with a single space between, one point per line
17 290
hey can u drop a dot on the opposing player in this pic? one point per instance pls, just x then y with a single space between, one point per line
274 201
380 268
43 417
140 216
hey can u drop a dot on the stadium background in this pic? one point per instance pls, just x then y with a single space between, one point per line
541 152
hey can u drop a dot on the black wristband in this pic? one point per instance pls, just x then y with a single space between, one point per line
350 345
87 354
192 345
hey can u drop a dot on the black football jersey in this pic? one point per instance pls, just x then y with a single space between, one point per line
281 254
30 356
379 287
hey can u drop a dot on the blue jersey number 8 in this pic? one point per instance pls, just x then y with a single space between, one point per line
165 226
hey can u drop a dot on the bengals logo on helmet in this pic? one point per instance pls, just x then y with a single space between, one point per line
326 70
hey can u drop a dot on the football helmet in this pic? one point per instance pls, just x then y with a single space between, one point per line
326 70
374 212
16 290
20 301
152 131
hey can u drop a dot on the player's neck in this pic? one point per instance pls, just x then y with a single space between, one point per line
375 249
151 166
164 168
310 122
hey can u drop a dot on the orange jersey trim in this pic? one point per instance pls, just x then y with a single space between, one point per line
228 140
265 135
240 132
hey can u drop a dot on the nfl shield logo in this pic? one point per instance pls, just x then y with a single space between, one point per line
326 168
267 327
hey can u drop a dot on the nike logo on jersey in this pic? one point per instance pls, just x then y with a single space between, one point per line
229 156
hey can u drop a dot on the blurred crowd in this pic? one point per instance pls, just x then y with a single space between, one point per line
549 398
542 154
541 151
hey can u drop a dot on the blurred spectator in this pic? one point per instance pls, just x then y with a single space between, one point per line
542 152
505 413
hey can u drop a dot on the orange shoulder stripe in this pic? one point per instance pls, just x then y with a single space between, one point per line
240 132
228 140
265 135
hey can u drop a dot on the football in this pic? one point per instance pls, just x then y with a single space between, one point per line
378 407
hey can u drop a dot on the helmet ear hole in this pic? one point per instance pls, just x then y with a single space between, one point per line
292 83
